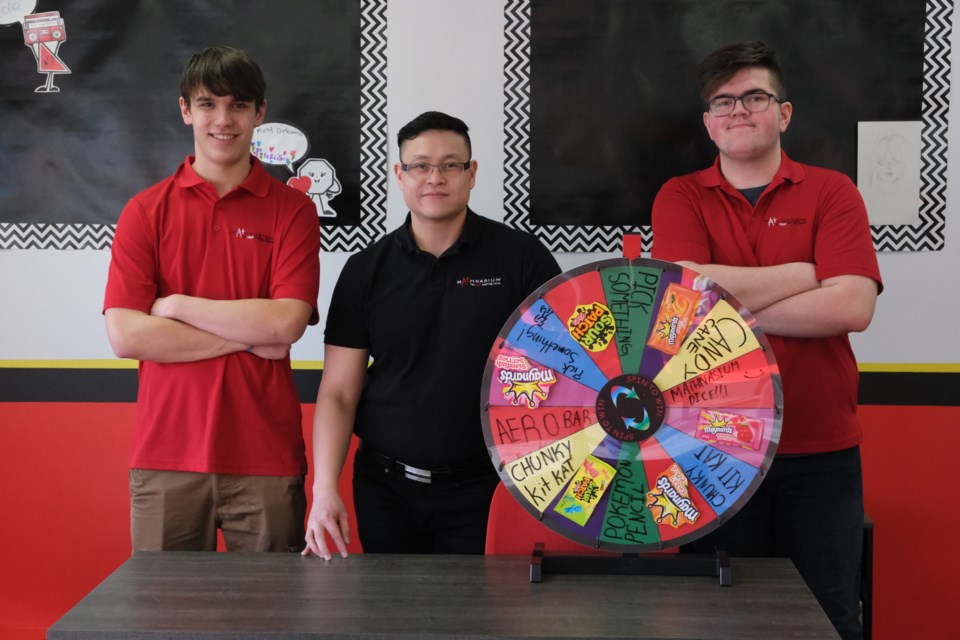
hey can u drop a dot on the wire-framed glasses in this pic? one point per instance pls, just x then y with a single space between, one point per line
424 169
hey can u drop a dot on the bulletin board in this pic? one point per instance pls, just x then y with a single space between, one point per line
88 101
602 105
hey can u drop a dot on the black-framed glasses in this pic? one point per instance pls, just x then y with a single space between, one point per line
424 169
754 102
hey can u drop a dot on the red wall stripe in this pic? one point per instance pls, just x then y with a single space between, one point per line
66 527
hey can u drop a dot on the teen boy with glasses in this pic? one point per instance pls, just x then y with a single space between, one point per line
792 243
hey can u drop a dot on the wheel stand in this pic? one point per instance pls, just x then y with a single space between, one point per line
679 564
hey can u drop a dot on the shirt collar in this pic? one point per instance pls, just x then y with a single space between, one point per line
257 181
470 234
789 171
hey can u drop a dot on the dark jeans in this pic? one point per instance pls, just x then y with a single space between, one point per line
399 515
809 509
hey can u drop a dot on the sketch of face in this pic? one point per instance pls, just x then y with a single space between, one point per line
888 162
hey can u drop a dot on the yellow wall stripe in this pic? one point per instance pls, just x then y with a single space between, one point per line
116 363
904 367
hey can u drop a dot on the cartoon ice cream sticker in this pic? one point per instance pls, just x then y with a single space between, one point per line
43 33
322 186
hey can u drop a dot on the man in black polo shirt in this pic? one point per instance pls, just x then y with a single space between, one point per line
426 303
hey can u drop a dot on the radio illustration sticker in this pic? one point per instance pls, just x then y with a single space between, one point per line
43 34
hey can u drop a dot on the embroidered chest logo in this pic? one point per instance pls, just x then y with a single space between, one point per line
468 282
785 222
242 233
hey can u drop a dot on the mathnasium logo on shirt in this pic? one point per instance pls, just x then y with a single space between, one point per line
785 222
467 281
240 232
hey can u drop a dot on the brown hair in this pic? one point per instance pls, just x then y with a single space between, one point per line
726 62
226 72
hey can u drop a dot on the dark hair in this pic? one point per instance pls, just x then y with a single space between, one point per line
226 72
726 62
433 120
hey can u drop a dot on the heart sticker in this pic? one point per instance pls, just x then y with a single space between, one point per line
300 184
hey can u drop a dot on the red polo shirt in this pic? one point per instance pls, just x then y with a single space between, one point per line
235 414
806 214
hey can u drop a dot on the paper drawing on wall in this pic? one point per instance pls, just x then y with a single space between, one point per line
323 184
285 145
888 170
43 33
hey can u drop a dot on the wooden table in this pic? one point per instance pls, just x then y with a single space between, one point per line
156 595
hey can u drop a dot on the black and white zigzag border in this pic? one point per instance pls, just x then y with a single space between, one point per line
517 151
373 160
927 235
373 136
17 235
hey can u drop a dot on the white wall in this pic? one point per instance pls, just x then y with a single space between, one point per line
448 55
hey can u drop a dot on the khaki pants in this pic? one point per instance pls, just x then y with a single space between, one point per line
181 511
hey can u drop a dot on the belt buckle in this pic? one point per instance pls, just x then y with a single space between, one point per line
416 474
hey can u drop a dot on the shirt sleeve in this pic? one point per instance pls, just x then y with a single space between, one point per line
346 317
679 232
132 276
296 270
844 245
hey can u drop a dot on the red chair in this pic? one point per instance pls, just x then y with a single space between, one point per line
511 530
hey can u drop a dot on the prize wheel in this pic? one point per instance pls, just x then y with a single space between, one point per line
631 405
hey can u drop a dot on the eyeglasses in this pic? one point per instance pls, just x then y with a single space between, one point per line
754 102
423 169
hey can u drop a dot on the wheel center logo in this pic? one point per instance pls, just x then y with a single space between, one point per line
630 408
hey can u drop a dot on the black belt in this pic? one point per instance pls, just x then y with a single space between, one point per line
453 473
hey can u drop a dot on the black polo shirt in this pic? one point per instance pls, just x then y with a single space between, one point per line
429 324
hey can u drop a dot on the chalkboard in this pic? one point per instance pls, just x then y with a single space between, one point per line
614 109
76 156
